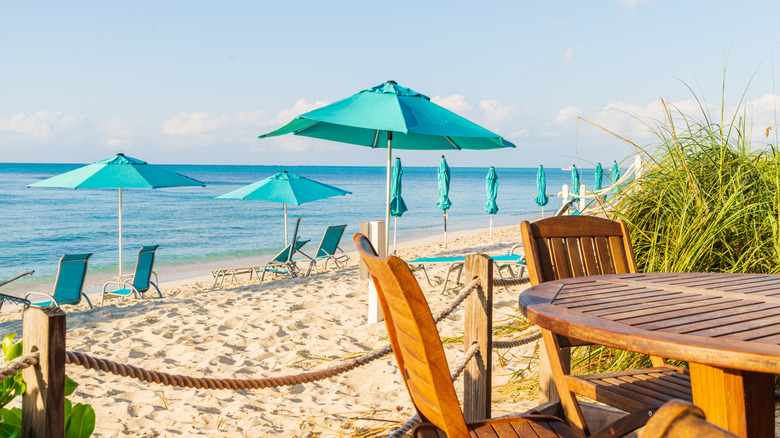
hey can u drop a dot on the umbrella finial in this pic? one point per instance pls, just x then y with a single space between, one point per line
442 156
392 82
120 154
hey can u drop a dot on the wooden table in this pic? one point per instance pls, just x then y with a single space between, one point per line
726 326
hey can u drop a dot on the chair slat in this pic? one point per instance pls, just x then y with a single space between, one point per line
575 260
602 252
545 259
589 256
619 260
560 259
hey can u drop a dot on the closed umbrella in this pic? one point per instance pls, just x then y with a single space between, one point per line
599 177
444 203
286 188
575 179
392 116
397 204
615 176
541 189
491 187
119 172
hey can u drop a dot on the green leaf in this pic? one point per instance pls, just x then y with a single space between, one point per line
82 422
8 341
10 422
70 386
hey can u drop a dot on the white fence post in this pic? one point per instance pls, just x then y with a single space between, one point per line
375 231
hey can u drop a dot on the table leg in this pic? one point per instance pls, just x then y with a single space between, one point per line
741 402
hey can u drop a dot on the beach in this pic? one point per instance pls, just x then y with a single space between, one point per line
275 328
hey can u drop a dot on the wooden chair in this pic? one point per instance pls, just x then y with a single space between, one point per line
575 246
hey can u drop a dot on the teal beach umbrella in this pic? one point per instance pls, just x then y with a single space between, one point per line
444 203
286 188
491 187
397 204
119 172
599 177
615 176
541 189
391 116
575 179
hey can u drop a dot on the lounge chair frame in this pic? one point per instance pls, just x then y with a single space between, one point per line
126 283
67 260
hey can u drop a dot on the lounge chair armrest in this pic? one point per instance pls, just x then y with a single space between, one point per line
118 283
17 277
515 247
53 301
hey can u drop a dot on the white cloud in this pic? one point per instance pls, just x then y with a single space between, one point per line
186 123
631 4
41 124
571 52
456 103
301 106
567 115
496 113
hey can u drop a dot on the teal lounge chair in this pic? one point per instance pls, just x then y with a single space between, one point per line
139 282
507 261
282 263
69 284
18 300
329 246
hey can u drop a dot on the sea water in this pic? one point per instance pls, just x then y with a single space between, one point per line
197 232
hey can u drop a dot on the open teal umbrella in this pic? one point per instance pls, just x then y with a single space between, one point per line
541 189
392 116
397 204
615 176
286 188
491 187
575 179
119 172
444 203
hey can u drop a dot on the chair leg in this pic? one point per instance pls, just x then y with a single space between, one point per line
156 288
88 301
568 401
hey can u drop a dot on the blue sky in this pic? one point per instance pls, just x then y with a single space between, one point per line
197 82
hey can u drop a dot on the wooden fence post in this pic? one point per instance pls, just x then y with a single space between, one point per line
478 377
43 402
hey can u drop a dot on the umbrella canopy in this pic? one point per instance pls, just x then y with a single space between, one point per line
286 188
599 176
119 172
615 175
541 188
371 118
575 179
491 186
397 204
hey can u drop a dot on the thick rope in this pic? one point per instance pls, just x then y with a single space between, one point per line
167 379
510 281
517 342
8 369
456 372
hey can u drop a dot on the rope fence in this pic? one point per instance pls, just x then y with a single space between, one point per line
12 367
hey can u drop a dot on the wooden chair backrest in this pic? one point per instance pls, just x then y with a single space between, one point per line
575 246
416 343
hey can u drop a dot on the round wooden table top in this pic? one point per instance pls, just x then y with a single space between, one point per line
724 320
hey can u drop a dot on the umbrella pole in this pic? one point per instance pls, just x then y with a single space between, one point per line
445 228
491 226
395 234
120 233
387 206
286 241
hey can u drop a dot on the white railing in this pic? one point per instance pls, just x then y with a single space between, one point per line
584 197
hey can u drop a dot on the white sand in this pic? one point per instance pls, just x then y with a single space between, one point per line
253 330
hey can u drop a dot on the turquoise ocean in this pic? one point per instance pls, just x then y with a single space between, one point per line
197 232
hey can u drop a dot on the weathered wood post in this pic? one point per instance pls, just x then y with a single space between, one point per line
43 402
478 377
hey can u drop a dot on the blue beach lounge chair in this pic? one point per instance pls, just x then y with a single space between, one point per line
283 263
139 282
329 246
507 261
69 284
